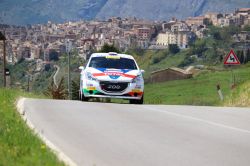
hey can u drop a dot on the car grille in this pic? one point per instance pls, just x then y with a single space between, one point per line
113 87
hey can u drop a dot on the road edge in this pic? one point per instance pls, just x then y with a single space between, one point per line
60 155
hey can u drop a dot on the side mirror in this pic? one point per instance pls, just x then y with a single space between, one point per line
142 71
81 67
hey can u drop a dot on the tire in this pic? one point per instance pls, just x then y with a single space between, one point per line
79 95
134 101
82 97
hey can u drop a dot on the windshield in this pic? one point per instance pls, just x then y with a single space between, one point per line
121 63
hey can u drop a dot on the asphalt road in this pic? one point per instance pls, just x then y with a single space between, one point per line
99 134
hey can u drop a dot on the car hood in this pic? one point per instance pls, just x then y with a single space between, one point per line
104 74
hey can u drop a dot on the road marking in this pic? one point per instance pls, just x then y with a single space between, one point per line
202 120
61 156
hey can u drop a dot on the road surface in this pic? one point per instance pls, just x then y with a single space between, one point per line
102 134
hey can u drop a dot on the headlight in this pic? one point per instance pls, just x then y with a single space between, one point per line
137 79
89 76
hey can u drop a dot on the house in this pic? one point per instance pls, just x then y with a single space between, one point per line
225 21
213 17
243 11
195 20
243 36
181 38
144 33
179 26
169 74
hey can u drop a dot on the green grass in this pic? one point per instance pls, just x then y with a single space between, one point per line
200 90
240 96
18 144
166 60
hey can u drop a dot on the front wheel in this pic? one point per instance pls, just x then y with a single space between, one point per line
134 101
82 97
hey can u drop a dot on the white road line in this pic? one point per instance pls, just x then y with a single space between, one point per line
61 156
202 120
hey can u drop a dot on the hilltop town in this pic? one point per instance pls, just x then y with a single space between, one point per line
37 42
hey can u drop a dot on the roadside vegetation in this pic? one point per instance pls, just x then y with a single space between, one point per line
18 144
201 89
240 96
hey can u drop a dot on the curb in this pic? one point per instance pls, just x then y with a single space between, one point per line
60 155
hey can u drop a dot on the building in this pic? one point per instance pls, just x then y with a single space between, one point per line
180 38
195 20
169 74
35 52
179 26
225 21
144 33
213 17
247 21
243 11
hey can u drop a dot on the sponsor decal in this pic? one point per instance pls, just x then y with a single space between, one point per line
113 57
136 90
114 74
138 86
94 92
91 88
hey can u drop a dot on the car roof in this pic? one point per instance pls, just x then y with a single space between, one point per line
111 54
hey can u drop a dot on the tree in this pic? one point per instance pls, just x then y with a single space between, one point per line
75 89
199 47
248 55
217 36
240 55
57 92
173 48
155 60
47 67
109 48
53 56
246 28
207 22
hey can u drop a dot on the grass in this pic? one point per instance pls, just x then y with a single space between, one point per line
200 90
240 97
166 60
18 144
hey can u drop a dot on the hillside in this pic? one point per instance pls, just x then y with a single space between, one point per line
165 9
201 90
19 145
40 11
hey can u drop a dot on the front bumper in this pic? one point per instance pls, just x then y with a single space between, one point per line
133 91
115 97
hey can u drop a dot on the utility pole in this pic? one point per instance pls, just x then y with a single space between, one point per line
69 77
4 63
68 45
28 81
2 37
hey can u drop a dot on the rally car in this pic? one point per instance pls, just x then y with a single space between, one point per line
111 75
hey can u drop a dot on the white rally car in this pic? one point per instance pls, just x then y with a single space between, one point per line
112 75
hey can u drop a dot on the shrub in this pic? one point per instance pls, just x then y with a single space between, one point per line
173 48
57 92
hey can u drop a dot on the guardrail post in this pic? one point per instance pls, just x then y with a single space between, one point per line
220 92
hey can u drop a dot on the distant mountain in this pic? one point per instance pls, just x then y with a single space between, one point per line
40 11
165 9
